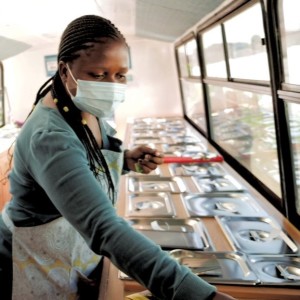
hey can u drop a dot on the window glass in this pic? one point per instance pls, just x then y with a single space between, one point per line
213 53
243 125
246 48
1 96
290 36
294 126
182 61
192 57
193 102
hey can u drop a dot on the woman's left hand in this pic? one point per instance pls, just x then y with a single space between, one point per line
143 159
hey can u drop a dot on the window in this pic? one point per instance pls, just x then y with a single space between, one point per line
294 127
194 102
2 90
246 45
243 125
290 40
192 58
182 61
213 53
190 82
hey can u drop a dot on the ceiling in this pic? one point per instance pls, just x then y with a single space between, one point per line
34 23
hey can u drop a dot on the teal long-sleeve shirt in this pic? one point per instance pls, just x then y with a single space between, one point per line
51 178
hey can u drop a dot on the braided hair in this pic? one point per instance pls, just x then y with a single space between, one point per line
79 35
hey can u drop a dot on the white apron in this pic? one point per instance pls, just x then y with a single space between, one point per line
50 260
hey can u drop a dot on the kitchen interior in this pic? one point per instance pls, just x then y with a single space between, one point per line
196 205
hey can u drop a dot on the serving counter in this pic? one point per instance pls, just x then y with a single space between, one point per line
232 229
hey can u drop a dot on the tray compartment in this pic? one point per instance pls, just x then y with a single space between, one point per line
257 235
218 267
150 205
138 184
175 233
196 169
225 184
277 270
231 204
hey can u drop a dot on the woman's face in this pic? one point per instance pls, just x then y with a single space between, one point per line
106 61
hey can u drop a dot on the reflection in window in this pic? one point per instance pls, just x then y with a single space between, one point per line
213 53
192 56
193 102
243 125
294 127
290 34
182 61
246 45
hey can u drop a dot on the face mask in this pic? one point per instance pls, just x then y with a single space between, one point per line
98 98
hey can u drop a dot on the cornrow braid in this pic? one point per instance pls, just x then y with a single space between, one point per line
84 30
79 35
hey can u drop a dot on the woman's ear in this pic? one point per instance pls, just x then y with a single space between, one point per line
62 70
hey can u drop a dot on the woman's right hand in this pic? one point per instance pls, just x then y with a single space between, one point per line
222 296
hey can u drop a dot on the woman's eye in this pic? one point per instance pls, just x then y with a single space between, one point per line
99 76
122 77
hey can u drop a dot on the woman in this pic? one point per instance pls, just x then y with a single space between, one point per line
64 182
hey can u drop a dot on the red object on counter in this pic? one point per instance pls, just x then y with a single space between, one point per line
187 160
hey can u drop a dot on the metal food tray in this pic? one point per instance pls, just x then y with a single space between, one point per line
152 139
150 205
256 235
197 169
138 184
231 204
181 149
277 270
218 267
174 233
225 184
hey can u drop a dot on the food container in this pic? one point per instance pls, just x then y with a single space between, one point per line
225 184
138 184
218 267
283 270
231 204
174 233
149 205
257 235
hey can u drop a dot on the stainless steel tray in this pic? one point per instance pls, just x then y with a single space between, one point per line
150 205
174 233
152 139
225 184
197 169
218 267
231 204
181 149
257 235
277 270
137 184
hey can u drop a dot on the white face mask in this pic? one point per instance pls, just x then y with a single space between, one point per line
98 98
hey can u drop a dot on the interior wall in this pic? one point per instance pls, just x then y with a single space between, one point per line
152 86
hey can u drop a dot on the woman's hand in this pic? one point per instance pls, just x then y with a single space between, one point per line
143 159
